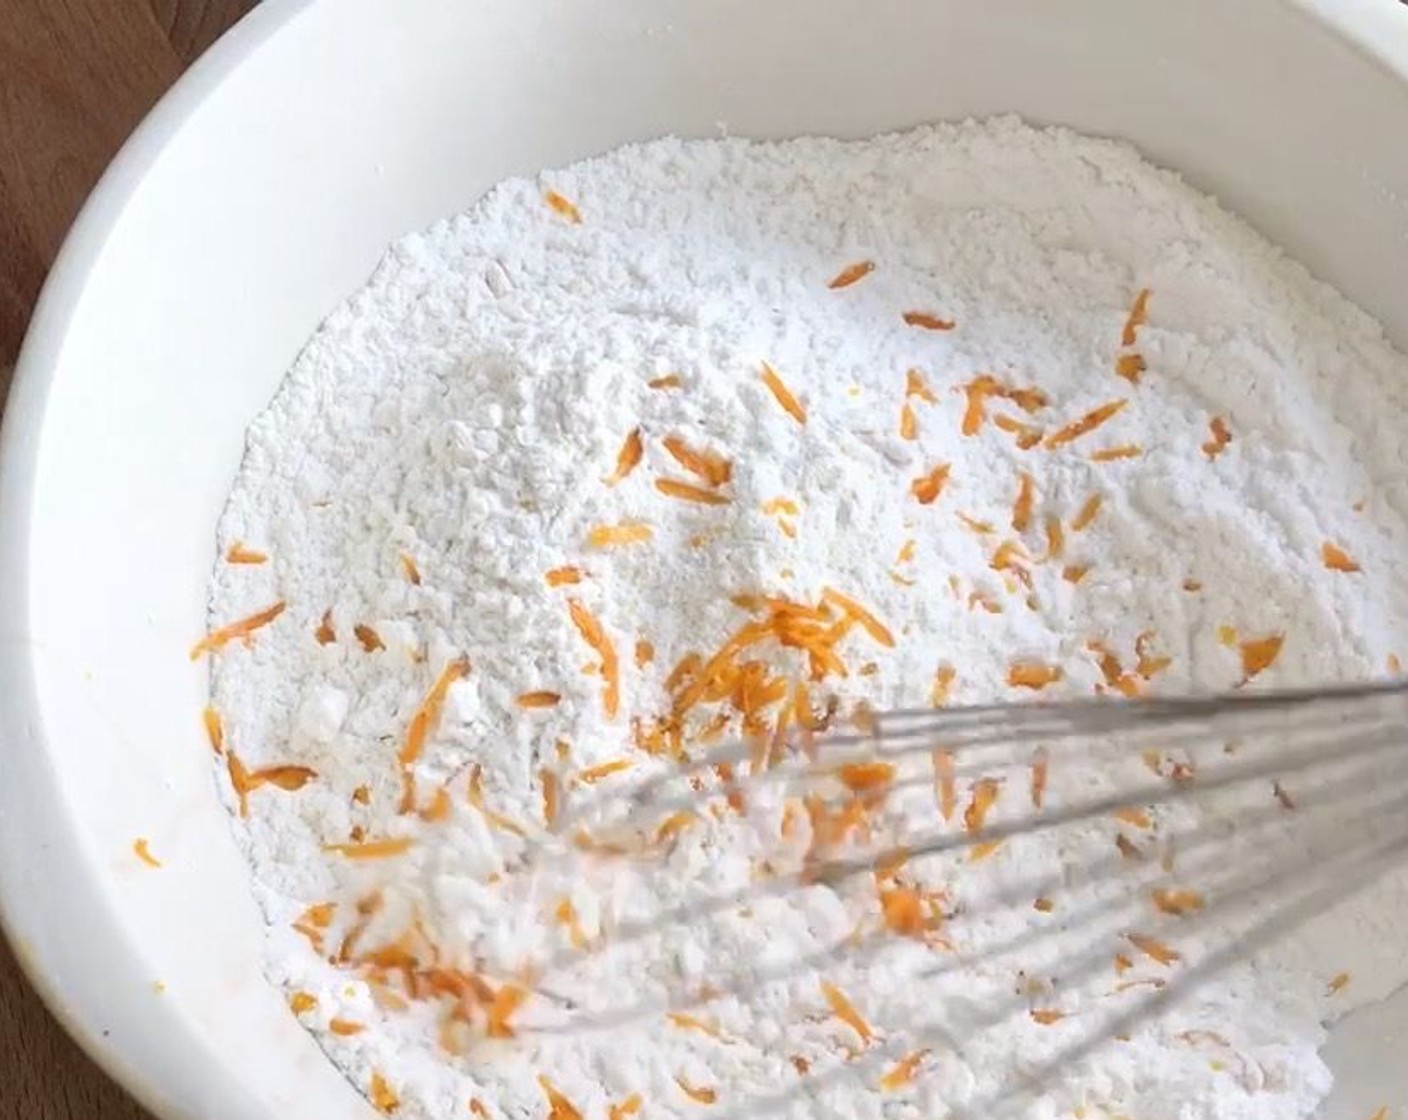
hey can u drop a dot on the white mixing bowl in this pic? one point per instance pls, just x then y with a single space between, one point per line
262 191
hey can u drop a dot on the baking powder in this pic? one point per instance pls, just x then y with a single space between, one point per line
910 390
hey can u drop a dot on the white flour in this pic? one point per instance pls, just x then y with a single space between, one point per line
458 420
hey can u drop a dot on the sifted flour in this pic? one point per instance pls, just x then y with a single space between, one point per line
859 371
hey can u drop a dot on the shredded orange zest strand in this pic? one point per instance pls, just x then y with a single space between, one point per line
1033 675
644 653
927 321
1337 559
559 1107
1055 538
696 1093
1153 949
238 554
674 824
1111 454
428 715
851 273
691 1023
789 403
144 853
1022 506
214 730
1132 816
540 699
866 777
369 638
902 910
290 778
1087 423
593 774
709 465
564 206
476 1106
981 851
345 1027
1046 1016
1337 984
1043 905
628 458
1075 572
243 629
506 1001
844 1010
557 577
853 610
628 1107
1138 315
1259 653
1220 438
439 807
1131 367
1176 902
977 392
985 792
673 488
1087 513
669 381
1027 435
982 528
300 1002
373 849
902 1073
943 683
944 781
909 423
408 566
325 634
1041 763
383 1098
609 536
551 795
1227 635
927 488
916 386
594 635
906 552
239 781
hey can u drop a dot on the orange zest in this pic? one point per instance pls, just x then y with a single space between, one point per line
144 853
1154 949
593 774
242 630
1138 315
592 632
610 536
559 1107
238 554
288 778
564 206
373 849
1131 367
1033 675
668 381
409 569
369 639
985 793
902 1072
844 1010
424 720
1177 902
1022 506
699 1094
1087 513
916 386
853 610
1111 454
783 395
382 1096
557 577
299 1002
1087 423
927 488
325 634
850 274
944 783
1041 762
627 1108
709 465
540 699
942 685
345 1027
909 423
214 729
685 492
927 321
1259 653
1337 559
1220 437
628 458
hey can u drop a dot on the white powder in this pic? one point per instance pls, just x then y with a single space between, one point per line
464 411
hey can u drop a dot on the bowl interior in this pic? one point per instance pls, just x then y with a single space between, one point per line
265 189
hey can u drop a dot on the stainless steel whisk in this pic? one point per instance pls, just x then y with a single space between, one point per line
1320 774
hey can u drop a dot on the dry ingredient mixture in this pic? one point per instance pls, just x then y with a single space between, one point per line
707 439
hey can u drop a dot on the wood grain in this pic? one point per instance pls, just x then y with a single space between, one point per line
75 78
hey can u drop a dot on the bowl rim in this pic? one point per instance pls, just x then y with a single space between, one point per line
1376 29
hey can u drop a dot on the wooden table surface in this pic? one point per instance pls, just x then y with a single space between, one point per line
75 77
